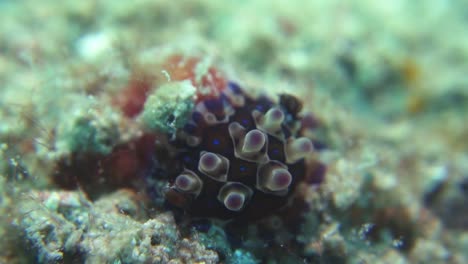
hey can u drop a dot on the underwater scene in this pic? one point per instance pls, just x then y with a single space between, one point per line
236 132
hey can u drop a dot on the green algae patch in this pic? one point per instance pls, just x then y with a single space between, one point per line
87 136
168 107
90 128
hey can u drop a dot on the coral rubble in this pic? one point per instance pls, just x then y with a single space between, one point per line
69 228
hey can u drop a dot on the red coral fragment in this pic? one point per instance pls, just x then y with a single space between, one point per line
209 84
94 173
133 97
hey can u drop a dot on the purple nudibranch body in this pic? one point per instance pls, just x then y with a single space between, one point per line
239 156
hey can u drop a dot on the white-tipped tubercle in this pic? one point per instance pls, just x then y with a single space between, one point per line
213 165
299 148
234 195
251 146
193 141
273 177
273 119
270 122
188 182
238 100
254 141
234 201
209 162
278 180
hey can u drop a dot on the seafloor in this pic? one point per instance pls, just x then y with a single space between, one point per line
386 83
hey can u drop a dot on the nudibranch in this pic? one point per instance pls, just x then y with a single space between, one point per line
238 156
225 153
